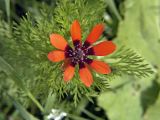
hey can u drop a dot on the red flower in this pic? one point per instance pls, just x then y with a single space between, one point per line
78 54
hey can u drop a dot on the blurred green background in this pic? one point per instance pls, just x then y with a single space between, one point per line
133 23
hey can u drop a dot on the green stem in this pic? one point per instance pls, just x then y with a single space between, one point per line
75 117
91 115
7 4
35 101
113 7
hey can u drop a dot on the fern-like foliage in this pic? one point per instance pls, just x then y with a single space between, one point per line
5 33
126 61
29 46
131 63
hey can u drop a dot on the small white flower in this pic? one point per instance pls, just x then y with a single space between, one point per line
56 115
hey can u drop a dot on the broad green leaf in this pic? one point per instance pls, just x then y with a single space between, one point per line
149 95
140 29
122 103
153 112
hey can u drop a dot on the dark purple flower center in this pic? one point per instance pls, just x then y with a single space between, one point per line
79 54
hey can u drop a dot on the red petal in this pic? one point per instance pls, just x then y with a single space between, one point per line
100 67
69 73
104 48
56 56
65 64
58 41
86 76
95 33
75 31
